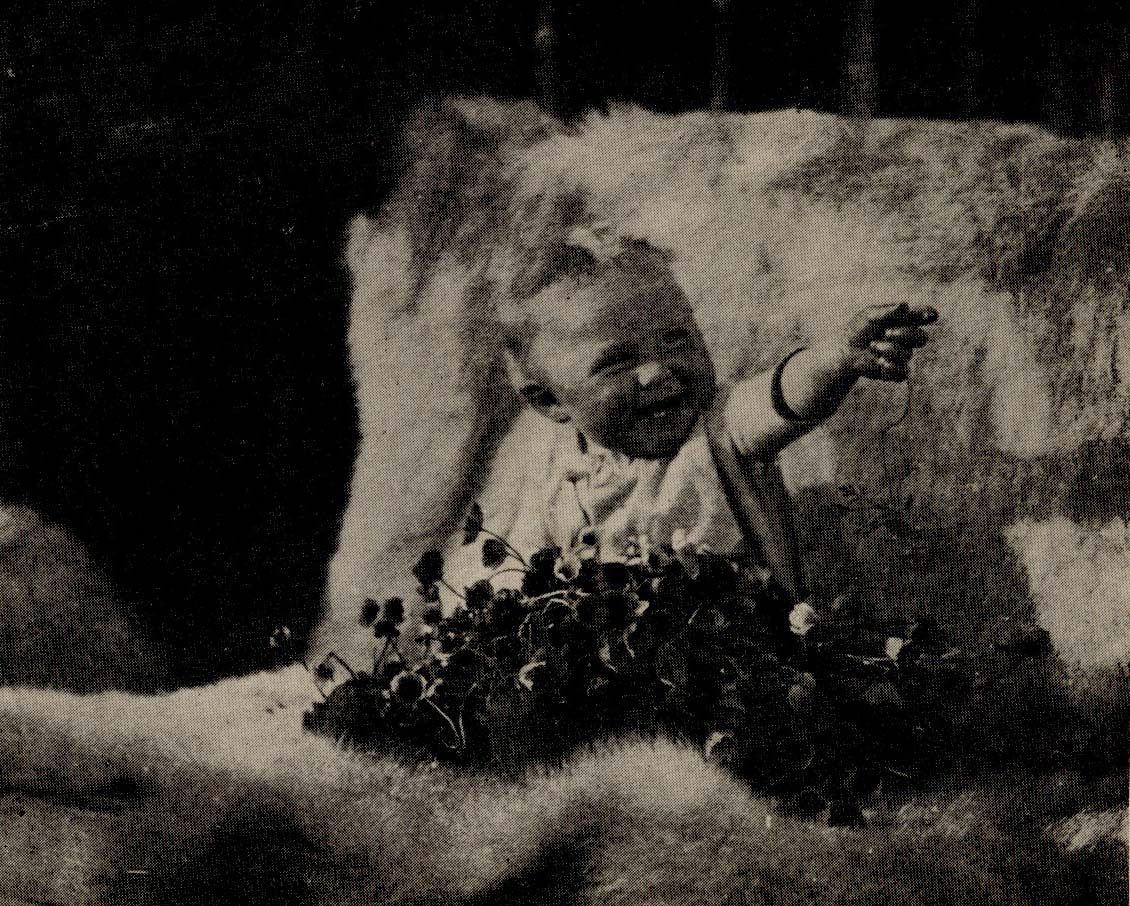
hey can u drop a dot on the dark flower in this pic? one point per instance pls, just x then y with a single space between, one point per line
429 594
280 637
385 629
463 659
506 611
473 527
509 597
394 610
460 621
845 813
544 560
494 552
593 611
370 610
622 608
432 616
506 649
389 669
429 568
408 687
479 595
1027 641
540 578
450 642
615 575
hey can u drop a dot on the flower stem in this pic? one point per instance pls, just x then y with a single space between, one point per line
448 720
379 659
448 586
510 547
348 669
503 572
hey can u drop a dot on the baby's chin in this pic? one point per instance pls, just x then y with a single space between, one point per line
659 438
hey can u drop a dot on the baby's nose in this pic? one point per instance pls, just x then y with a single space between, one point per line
650 372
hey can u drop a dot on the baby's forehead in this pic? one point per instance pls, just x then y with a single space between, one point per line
610 307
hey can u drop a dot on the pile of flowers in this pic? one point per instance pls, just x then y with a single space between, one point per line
817 707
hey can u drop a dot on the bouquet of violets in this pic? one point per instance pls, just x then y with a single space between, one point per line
819 708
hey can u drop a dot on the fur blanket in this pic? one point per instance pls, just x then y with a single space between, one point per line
216 795
1015 445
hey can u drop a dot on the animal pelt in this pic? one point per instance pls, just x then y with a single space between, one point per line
777 223
216 795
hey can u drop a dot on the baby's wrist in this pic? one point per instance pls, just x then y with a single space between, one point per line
833 362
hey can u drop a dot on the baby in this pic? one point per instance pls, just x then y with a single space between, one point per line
607 349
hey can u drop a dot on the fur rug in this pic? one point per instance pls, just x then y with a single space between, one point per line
777 222
216 795
1015 439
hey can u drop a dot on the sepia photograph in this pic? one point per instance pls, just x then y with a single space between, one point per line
560 452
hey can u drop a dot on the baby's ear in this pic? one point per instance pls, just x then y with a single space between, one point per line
540 397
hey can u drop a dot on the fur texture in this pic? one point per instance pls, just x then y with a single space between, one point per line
1018 236
776 222
216 795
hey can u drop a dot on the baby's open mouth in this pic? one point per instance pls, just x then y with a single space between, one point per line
661 407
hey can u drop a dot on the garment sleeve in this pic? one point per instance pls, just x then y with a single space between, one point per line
755 428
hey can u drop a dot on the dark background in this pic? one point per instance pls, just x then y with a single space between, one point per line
177 177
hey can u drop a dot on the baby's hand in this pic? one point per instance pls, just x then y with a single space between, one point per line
880 339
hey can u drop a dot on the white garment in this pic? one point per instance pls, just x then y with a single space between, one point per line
564 491
622 499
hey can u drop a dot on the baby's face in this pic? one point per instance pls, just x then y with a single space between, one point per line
627 366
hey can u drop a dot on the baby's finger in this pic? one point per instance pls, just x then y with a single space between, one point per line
912 337
871 364
887 315
892 352
921 314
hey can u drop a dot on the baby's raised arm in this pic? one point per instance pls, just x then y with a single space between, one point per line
769 410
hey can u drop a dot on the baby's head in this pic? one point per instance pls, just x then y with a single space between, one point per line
608 342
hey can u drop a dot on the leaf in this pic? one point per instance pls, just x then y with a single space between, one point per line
844 812
393 610
479 594
494 552
473 527
370 610
429 568
882 694
671 662
605 655
1028 641
719 746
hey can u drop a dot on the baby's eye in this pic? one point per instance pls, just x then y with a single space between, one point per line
616 359
673 338
616 365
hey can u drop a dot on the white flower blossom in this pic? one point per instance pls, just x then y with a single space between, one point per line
802 618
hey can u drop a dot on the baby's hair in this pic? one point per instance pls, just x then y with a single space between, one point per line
585 257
